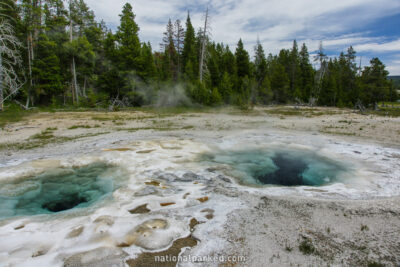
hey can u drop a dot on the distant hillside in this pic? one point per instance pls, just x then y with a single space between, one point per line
396 80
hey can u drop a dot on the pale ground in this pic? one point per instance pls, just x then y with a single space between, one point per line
267 228
329 121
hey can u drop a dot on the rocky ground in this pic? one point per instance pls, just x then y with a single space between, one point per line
346 225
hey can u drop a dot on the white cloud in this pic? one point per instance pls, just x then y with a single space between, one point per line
393 46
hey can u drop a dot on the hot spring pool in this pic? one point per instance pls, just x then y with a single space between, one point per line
279 167
56 190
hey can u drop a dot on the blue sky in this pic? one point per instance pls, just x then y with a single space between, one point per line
372 27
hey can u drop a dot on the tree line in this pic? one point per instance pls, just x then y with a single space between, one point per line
61 55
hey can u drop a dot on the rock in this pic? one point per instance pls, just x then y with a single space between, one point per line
224 178
170 177
190 176
150 190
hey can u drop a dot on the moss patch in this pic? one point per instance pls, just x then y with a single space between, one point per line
203 199
40 140
167 204
154 183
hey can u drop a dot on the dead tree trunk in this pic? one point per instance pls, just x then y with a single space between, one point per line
203 46
74 84
1 83
75 81
30 60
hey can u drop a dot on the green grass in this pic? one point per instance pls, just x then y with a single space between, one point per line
337 133
13 113
387 111
187 127
161 129
112 118
301 112
80 127
44 135
285 112
306 247
43 139
390 104
375 264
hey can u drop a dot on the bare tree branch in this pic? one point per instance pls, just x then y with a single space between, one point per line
10 60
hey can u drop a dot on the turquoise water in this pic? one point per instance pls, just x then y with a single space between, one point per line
279 167
56 190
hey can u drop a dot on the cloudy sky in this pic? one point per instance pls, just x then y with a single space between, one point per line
372 27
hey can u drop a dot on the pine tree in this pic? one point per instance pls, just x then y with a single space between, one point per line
329 91
225 88
148 71
242 60
280 83
260 64
306 74
129 47
189 53
46 70
375 82
229 62
213 67
171 56
294 72
84 56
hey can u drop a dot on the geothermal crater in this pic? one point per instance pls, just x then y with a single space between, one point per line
280 167
56 190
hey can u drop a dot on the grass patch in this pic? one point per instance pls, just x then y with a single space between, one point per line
285 112
307 247
44 135
187 127
387 112
300 112
40 140
288 248
111 118
13 113
375 264
389 104
338 133
81 127
161 129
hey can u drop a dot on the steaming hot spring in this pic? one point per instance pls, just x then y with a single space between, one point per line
114 205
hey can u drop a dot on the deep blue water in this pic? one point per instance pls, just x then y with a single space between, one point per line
279 167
